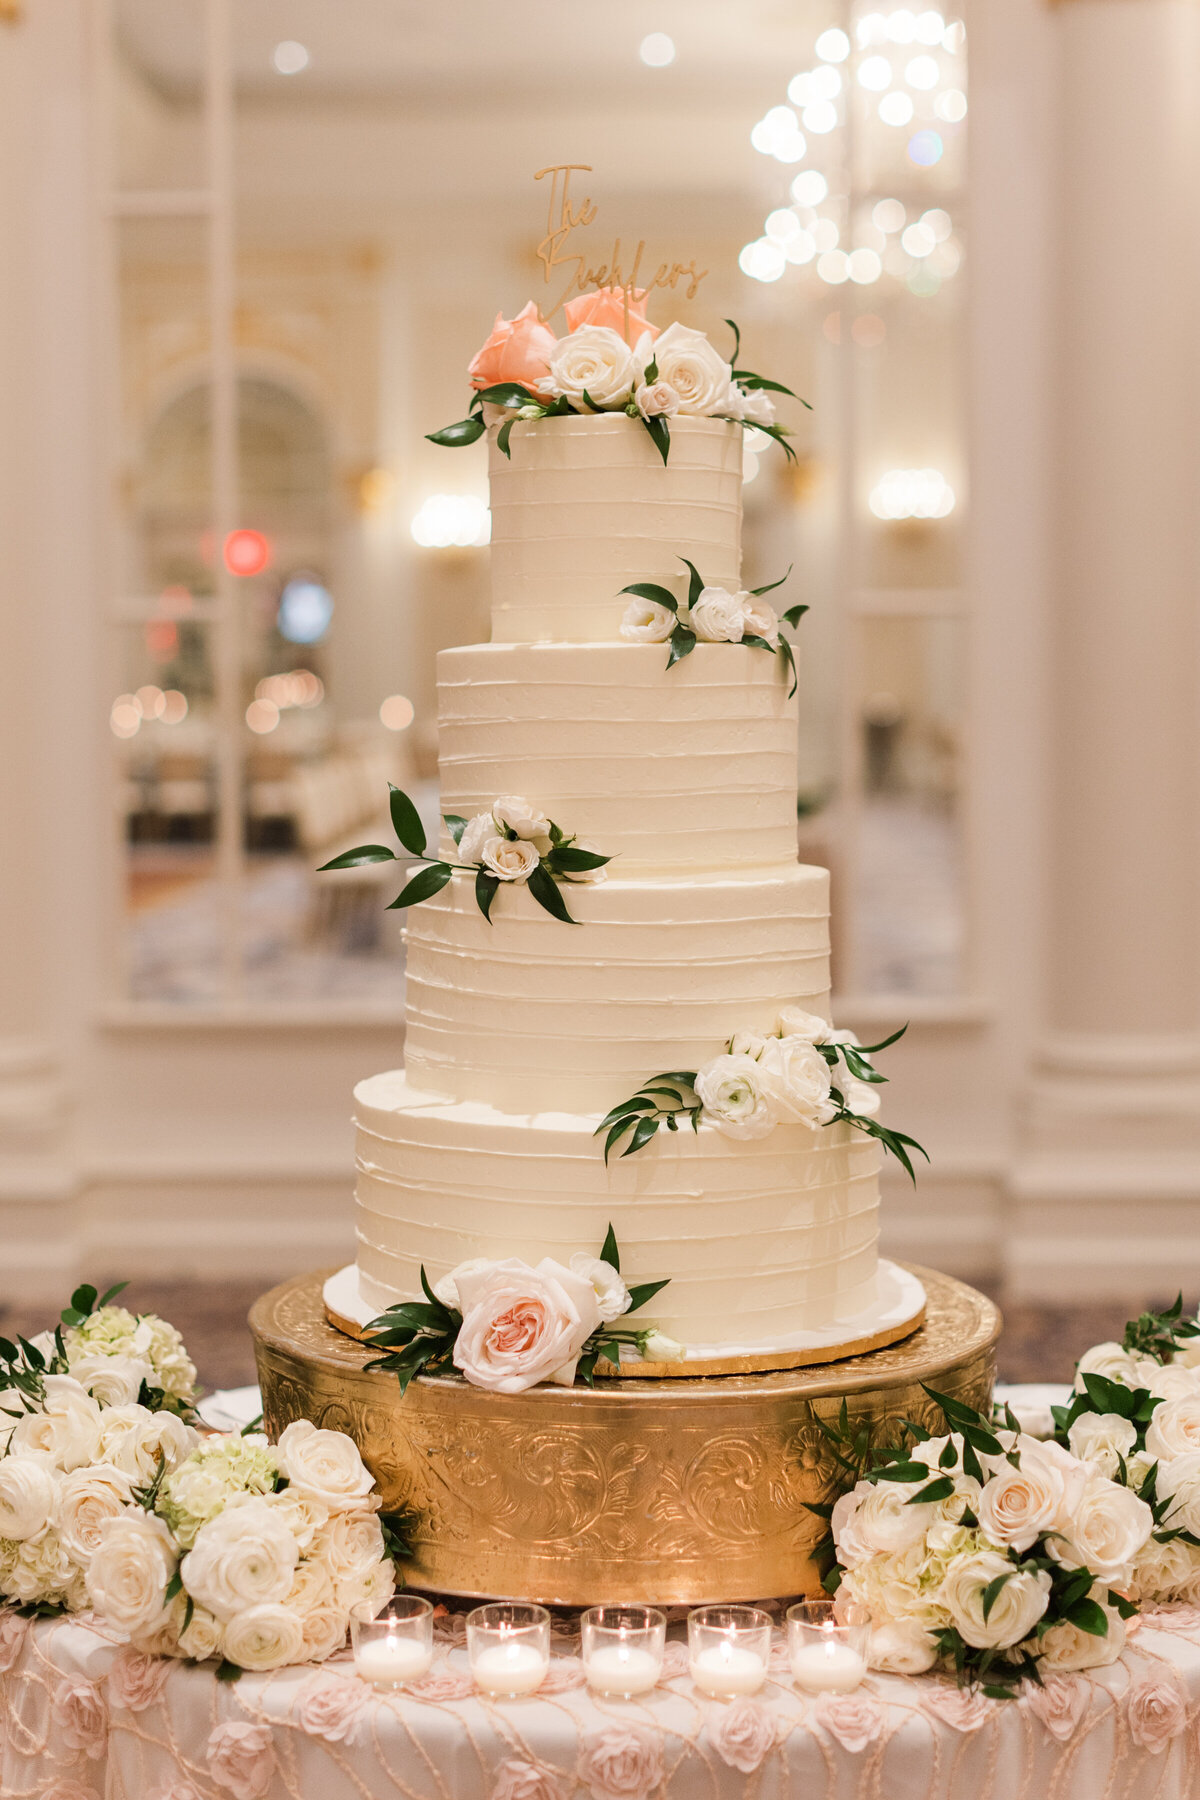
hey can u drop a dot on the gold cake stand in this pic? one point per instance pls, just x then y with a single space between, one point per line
686 1491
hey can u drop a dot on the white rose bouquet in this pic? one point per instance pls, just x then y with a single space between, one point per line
1134 1417
711 615
251 1553
506 1326
984 1550
803 1073
515 843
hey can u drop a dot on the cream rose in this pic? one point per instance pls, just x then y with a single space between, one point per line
1170 1382
28 1496
204 1637
349 1547
1065 1647
446 1290
301 1512
1018 1504
1015 1611
756 406
647 622
795 1022
67 1429
661 1348
327 1465
324 1630
510 861
1174 1429
265 1637
476 833
702 379
612 1296
135 1440
734 1094
87 1501
1112 1361
1102 1439
369 1593
1163 1571
1179 1481
130 1570
759 619
595 362
522 1325
796 1079
514 813
246 1556
656 400
113 1380
879 1520
901 1647
717 616
1105 1532
590 877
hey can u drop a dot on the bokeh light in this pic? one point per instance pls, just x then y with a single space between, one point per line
925 148
452 522
889 215
875 73
290 58
262 716
912 494
305 610
247 552
397 712
809 188
762 260
657 50
896 108
833 46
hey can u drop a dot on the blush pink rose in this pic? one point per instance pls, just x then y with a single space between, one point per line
81 1716
441 1685
742 1734
677 1660
518 1780
241 1759
332 1707
136 1681
1157 1713
607 307
564 1673
448 1627
1060 1703
621 1762
855 1720
522 1325
517 350
13 1631
960 1708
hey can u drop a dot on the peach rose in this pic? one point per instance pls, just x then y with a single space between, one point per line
855 1720
80 1715
742 1734
607 307
136 1681
1059 1703
519 1780
517 350
241 1758
1157 1713
621 1762
13 1631
522 1325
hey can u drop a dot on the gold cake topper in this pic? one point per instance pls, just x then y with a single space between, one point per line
564 216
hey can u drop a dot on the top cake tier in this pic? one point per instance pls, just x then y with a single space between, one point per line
585 505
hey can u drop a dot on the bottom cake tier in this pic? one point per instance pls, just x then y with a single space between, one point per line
680 1492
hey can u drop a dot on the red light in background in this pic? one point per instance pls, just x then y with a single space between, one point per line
247 552
162 639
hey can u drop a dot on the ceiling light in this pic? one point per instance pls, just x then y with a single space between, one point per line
657 50
290 58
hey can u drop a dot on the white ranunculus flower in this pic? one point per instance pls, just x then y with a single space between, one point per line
136 1440
446 1290
748 1043
903 1647
1105 1532
717 617
28 1496
795 1022
796 1079
759 619
656 400
324 1629
267 1636
1064 1648
246 1556
301 1512
1102 1439
1164 1571
612 1296
510 861
327 1465
647 622
1174 1381
757 406
349 1547
514 813
861 1097
67 1429
87 1501
733 1093
702 379
1179 1482
113 1380
130 1571
1112 1361
476 833
366 1595
661 1348
312 1585
590 877
1017 1505
522 1325
597 362
1015 1611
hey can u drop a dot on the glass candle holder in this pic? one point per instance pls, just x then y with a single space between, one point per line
509 1648
828 1655
623 1649
396 1645
728 1647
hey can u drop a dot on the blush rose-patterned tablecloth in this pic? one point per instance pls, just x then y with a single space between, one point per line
82 1718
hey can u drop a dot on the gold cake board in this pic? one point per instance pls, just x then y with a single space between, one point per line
670 1492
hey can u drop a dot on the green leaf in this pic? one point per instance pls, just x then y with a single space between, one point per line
772 585
751 383
660 435
614 1136
585 1368
957 1412
904 1470
568 858
188 1613
992 1592
111 1293
643 1131
429 881
486 888
612 1352
1110 1396
893 1141
548 894
84 1299
794 614
228 1671
779 433
406 821
33 1355
638 1104
510 393
758 643
949 1457
939 1489
695 582
644 1292
464 431
609 1252
354 859
683 642
455 825
1089 1617
651 375
174 1586
884 1044
737 339
650 590
503 435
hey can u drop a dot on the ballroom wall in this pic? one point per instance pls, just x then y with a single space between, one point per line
1058 1090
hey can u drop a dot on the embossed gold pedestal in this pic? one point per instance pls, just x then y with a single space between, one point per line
670 1492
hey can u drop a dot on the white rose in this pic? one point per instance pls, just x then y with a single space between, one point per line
510 861
67 1429
446 1290
1164 1571
267 1636
756 405
861 1098
612 1296
312 1585
716 617
596 361
877 1519
589 876
87 1500
1065 1648
522 1325
902 1647
367 1594
1175 1428
658 400
1179 1481
246 1556
733 1092
1015 1611
130 1571
795 1022
1102 1439
477 832
1112 1361
1019 1504
759 619
1170 1381
647 622
136 1440
349 1547
748 1043
661 1348
687 362
303 1513
327 1465
796 1079
113 1380
1105 1532
324 1631
514 813
28 1496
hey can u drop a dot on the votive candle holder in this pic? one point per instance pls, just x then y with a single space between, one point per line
623 1649
828 1654
728 1648
396 1646
509 1648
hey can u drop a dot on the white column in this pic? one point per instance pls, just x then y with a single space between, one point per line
1107 1181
